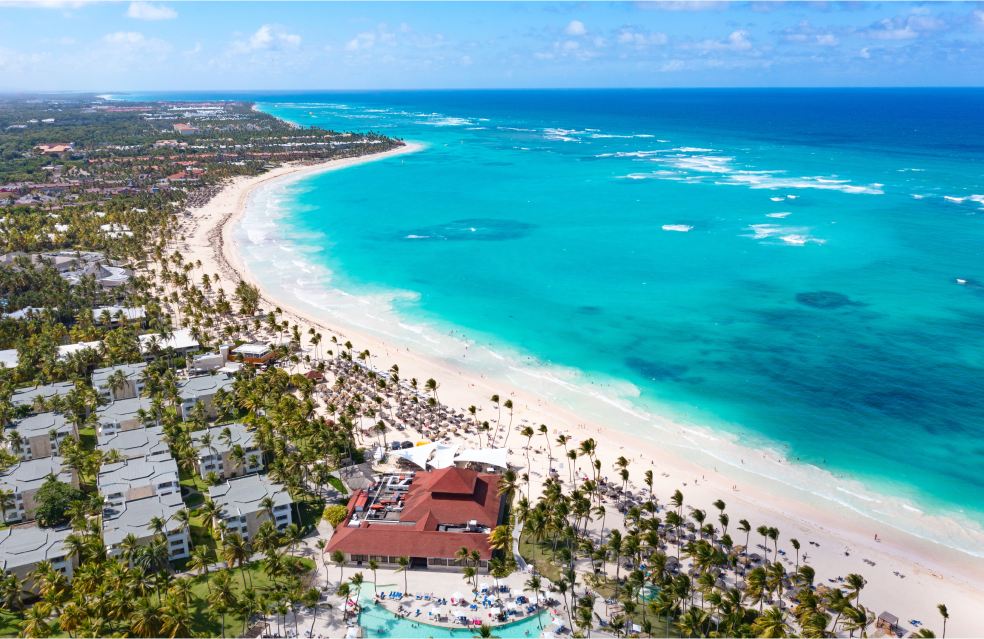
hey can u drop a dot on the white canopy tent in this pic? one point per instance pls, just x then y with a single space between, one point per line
486 456
417 455
443 456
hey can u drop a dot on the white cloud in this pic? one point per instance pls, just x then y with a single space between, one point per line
269 37
570 45
864 53
575 28
899 28
806 35
684 5
45 4
466 61
147 11
628 36
361 41
197 49
737 41
131 42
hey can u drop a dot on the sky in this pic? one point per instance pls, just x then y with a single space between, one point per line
53 45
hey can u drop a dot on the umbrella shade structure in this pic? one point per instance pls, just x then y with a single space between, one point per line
437 612
457 595
483 586
510 606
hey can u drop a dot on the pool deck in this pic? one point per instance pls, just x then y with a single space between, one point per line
436 582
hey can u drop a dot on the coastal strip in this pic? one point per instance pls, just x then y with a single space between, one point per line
932 574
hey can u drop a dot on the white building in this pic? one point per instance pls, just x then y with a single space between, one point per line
137 478
133 516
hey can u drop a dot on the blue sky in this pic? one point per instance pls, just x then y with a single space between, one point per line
130 46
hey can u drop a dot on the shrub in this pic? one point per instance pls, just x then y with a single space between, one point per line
335 515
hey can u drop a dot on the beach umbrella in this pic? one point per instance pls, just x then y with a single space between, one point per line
457 595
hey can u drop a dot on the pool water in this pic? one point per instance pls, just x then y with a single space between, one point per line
376 618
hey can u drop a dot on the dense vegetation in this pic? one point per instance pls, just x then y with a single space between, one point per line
109 195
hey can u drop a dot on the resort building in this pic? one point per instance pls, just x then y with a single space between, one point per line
239 501
427 516
24 478
220 456
38 435
132 316
137 478
145 442
255 354
201 389
132 386
25 396
23 547
133 516
152 345
123 414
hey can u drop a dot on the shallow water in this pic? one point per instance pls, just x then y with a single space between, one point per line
799 271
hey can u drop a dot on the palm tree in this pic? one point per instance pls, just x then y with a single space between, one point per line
146 619
199 563
855 584
312 600
404 568
771 624
35 622
373 566
945 615
236 550
338 558
484 631
746 528
796 546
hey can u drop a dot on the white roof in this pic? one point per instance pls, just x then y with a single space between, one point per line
252 349
9 358
487 456
443 456
181 339
68 349
417 455
134 313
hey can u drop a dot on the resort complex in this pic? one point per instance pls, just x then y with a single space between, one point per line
185 454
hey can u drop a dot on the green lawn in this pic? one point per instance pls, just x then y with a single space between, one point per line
194 500
192 480
202 622
337 484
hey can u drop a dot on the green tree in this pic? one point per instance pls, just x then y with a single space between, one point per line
54 499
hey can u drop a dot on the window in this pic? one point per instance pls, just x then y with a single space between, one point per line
242 519
360 558
281 507
179 542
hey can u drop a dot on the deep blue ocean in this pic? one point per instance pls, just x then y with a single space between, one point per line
799 271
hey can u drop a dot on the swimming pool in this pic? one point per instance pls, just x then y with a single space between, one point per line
375 618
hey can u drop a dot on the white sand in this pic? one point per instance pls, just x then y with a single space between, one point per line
933 574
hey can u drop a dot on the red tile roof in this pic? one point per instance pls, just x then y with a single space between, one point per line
455 481
434 498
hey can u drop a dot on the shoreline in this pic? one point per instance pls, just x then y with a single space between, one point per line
924 562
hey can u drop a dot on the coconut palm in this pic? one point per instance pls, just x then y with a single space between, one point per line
855 584
945 615
771 624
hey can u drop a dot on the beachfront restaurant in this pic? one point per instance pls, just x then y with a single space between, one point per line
426 516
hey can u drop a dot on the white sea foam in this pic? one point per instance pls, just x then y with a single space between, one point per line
779 215
960 200
792 197
918 197
677 227
416 237
777 199
791 235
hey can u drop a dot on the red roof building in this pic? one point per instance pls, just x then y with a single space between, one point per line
443 511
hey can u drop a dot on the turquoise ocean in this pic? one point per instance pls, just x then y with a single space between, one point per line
799 272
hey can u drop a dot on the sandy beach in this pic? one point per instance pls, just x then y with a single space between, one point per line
842 541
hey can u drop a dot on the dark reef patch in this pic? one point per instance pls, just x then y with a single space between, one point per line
826 300
656 371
